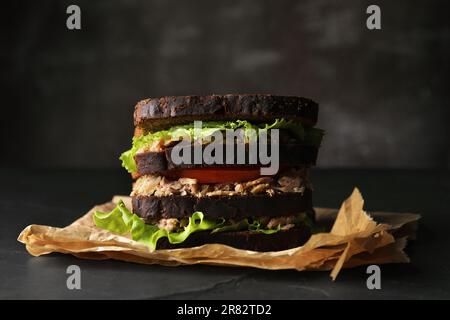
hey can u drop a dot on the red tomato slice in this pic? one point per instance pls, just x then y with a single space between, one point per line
216 175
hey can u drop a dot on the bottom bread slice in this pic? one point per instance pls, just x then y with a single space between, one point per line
247 240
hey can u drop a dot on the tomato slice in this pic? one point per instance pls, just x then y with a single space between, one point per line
216 175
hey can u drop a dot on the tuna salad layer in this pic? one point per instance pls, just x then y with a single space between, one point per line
294 180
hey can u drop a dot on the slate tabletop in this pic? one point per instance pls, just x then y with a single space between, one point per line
57 197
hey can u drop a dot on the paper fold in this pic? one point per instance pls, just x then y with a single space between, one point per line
354 239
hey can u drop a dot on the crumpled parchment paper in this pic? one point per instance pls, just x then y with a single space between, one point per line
353 238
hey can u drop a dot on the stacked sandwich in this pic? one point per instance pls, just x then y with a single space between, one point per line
228 201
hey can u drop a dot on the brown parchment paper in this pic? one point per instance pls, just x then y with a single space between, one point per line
351 237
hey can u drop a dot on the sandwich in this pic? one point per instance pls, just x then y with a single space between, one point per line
227 169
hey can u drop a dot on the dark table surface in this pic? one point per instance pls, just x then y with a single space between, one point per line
57 197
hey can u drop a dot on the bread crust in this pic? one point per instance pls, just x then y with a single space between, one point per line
151 208
160 113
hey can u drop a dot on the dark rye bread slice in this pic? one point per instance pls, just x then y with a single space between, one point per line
247 240
152 208
160 113
159 162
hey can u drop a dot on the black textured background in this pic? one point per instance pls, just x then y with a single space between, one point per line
68 96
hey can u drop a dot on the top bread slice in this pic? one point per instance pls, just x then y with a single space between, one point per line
160 113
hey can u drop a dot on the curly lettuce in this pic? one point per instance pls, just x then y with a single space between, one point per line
309 136
122 221
245 224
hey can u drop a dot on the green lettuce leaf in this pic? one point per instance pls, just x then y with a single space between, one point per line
121 221
303 219
294 127
313 136
256 226
244 224
310 135
138 142
238 226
